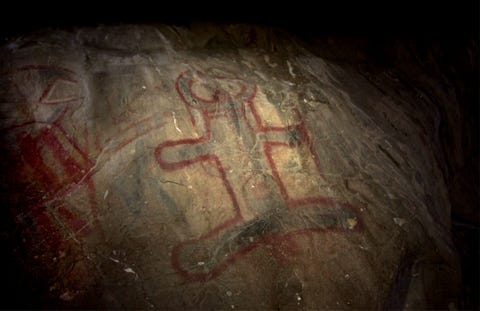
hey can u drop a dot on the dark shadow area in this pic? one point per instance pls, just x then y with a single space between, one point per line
349 18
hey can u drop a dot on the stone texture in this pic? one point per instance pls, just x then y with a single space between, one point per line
221 168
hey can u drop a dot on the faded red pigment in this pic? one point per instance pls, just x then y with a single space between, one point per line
38 138
51 138
278 244
35 139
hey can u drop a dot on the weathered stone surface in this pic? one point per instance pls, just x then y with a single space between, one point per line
160 167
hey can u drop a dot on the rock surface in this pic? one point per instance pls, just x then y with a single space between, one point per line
221 168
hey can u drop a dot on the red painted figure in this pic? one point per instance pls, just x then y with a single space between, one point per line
51 163
228 117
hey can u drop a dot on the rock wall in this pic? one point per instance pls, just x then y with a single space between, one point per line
220 168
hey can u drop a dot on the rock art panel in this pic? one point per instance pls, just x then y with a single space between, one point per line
262 163
172 168
50 162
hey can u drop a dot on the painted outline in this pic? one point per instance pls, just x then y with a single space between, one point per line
244 100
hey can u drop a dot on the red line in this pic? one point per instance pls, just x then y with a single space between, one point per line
215 98
275 240
244 113
219 268
202 158
136 123
60 116
238 214
71 166
63 101
243 88
267 149
261 127
179 164
253 94
46 91
32 155
75 146
135 137
49 88
272 239
70 188
306 138
76 223
256 116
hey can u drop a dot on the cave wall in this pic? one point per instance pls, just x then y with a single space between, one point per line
229 167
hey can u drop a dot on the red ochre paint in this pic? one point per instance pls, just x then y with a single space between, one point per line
280 245
67 167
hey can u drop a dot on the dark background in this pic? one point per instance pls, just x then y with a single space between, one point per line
379 18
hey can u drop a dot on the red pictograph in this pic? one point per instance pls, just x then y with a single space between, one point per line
213 104
51 162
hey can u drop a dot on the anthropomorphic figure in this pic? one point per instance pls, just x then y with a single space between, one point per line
265 161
